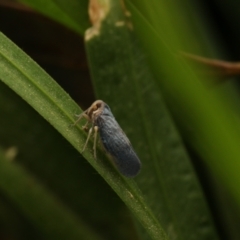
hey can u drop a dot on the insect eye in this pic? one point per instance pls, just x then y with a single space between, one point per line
95 108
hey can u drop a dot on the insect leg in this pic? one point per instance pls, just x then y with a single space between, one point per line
80 116
89 134
85 127
95 141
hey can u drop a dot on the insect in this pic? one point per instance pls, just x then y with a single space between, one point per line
112 136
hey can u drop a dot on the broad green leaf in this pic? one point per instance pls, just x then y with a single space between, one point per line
122 78
72 14
27 79
207 118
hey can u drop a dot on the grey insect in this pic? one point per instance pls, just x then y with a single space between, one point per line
112 136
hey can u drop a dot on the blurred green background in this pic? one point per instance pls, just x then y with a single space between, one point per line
206 28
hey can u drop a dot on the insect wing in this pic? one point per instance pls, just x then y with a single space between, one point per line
117 144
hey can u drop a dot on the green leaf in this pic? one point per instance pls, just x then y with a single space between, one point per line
26 78
123 79
54 163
